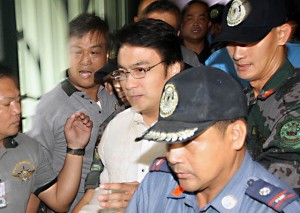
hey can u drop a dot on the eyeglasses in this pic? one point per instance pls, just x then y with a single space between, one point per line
137 73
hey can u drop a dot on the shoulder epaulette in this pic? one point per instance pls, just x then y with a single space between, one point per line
160 165
273 196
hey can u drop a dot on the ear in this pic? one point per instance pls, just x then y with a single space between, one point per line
173 69
284 32
107 56
238 134
136 19
209 24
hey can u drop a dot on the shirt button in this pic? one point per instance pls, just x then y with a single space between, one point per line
91 102
99 112
250 182
143 170
82 96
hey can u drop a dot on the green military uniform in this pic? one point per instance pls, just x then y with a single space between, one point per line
274 125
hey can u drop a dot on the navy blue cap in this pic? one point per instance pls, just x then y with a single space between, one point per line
192 101
249 21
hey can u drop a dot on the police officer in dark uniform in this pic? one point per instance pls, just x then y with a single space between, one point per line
255 33
207 168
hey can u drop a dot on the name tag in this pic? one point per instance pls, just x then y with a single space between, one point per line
2 194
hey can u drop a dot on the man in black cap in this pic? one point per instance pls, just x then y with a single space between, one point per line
255 33
207 168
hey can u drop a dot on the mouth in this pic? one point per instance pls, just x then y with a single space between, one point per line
134 97
182 175
85 74
196 29
242 67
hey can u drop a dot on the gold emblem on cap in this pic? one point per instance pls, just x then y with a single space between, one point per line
238 12
169 101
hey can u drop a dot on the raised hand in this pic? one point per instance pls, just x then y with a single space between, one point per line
78 130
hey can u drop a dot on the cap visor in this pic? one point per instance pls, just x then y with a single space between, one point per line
174 132
241 35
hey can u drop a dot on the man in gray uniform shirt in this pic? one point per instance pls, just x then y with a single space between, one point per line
88 51
23 165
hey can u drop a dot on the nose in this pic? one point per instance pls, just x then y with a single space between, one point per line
16 108
86 58
237 52
129 82
174 153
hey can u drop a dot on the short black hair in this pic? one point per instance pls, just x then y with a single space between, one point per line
186 7
7 72
88 23
222 125
152 33
162 7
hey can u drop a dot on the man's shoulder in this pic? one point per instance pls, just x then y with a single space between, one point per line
26 142
126 117
56 94
290 90
160 165
271 195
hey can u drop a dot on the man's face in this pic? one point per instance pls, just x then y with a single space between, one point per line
196 24
204 163
10 108
87 55
143 94
258 61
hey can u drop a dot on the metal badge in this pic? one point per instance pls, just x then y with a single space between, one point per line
229 202
168 101
238 12
23 170
265 191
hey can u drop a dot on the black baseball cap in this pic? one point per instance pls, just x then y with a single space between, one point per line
249 21
192 101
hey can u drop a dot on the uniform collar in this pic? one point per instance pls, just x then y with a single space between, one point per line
10 143
275 82
70 89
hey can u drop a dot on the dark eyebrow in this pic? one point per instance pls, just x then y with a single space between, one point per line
135 65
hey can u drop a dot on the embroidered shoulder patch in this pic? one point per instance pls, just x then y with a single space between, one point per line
274 197
160 165
23 170
288 133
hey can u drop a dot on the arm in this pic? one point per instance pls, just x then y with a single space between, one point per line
33 204
61 194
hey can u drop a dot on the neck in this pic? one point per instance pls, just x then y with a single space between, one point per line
92 93
207 194
1 144
269 71
149 118
195 45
